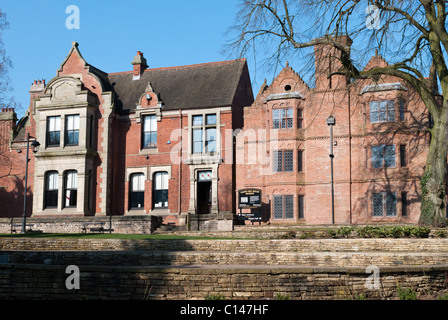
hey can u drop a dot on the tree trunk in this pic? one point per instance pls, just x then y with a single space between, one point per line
433 182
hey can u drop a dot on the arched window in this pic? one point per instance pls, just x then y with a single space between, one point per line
51 190
160 190
137 191
71 189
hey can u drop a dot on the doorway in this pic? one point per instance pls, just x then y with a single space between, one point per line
204 197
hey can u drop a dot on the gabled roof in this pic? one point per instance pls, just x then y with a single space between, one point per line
204 85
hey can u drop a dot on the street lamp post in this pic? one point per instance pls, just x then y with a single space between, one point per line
35 145
331 121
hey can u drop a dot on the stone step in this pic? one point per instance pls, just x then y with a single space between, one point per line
189 258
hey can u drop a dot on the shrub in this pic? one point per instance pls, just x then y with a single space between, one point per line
421 232
345 231
406 293
288 235
441 233
280 296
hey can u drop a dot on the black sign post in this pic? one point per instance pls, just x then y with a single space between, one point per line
250 199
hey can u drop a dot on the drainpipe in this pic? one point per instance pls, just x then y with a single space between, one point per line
180 164
350 149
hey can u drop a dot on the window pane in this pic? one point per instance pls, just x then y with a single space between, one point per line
276 118
403 156
71 198
389 156
377 204
71 180
300 161
197 140
54 138
289 114
197 120
404 204
52 181
51 190
211 119
391 204
301 200
72 122
289 161
161 180
71 185
149 132
278 161
276 123
160 190
137 192
53 131
289 207
138 182
278 207
54 123
391 110
374 111
72 138
210 136
377 156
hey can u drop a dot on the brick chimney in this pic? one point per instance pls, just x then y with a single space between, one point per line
37 88
139 64
8 119
327 61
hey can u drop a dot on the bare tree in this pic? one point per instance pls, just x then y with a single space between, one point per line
411 33
6 101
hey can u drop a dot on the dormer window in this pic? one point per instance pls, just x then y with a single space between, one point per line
149 134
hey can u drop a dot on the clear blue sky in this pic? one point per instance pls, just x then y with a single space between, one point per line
169 33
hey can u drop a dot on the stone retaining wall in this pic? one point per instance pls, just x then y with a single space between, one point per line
48 282
234 245
195 258
120 224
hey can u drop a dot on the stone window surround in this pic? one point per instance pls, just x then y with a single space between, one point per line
148 172
39 204
197 158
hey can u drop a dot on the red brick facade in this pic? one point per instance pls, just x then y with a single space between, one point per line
122 143
380 148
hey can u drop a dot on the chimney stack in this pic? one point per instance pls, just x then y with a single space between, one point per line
37 87
139 64
328 61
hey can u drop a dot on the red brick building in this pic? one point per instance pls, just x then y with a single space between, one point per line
143 142
380 146
167 142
